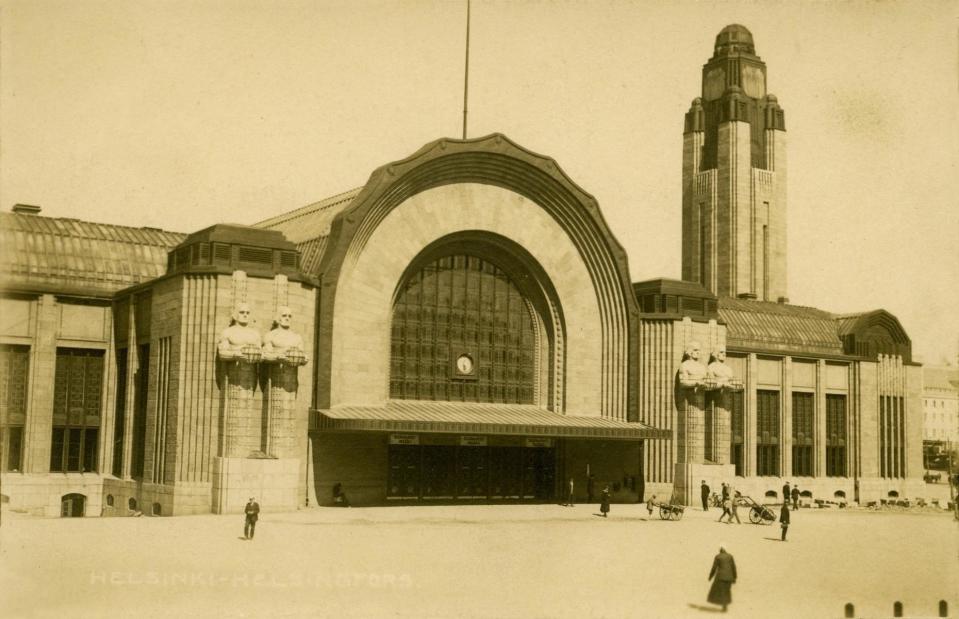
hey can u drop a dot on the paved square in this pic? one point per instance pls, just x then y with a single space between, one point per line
474 561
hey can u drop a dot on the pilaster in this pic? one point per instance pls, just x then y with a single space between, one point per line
38 429
786 420
749 416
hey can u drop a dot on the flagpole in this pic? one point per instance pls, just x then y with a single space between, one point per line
466 73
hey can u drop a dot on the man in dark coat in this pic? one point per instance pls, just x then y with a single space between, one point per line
252 511
589 488
723 575
795 495
704 492
784 519
786 492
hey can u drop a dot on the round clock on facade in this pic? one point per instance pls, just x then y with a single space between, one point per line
464 364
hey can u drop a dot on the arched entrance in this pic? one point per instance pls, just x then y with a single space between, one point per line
73 505
475 319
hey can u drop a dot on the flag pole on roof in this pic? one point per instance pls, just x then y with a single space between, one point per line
466 73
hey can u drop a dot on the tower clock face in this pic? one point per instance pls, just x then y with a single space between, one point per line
714 84
464 365
754 82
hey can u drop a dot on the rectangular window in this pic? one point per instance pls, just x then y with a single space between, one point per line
14 365
141 384
119 427
767 433
802 433
835 435
737 433
77 387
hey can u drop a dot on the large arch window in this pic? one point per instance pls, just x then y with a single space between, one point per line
468 325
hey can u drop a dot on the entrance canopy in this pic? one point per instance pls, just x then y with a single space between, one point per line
474 418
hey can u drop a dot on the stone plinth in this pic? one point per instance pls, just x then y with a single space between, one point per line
690 426
281 409
242 413
273 481
718 403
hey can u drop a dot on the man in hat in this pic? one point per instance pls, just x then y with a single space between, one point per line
704 493
252 511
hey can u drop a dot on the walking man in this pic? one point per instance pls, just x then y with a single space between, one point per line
569 501
604 501
704 492
252 511
795 495
784 519
734 499
723 575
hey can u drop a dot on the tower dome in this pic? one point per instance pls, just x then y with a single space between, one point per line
734 38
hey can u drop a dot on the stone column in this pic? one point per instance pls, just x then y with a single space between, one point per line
721 427
241 415
281 410
690 426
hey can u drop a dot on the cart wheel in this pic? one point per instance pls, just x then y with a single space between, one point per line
664 512
755 516
679 514
768 517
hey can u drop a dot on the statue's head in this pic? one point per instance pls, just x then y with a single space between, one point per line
242 314
719 355
284 315
693 351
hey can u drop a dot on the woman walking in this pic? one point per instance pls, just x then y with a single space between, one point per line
723 575
604 505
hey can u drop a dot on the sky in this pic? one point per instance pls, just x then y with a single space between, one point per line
179 115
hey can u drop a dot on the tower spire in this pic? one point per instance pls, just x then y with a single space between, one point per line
734 176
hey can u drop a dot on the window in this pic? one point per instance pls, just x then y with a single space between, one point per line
891 439
462 305
119 425
14 365
835 435
737 433
141 384
77 387
802 434
109 500
767 433
132 504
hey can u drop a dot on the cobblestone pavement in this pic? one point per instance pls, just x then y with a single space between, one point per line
475 561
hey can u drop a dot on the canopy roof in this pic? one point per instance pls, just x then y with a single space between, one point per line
474 418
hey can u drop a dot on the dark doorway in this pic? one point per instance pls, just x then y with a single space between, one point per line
471 473
73 505
439 471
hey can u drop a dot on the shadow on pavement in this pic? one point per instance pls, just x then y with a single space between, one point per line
707 609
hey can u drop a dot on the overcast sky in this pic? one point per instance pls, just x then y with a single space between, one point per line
182 114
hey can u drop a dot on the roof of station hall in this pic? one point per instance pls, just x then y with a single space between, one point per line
771 326
70 256
309 227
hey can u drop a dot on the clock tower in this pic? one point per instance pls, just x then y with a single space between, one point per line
734 177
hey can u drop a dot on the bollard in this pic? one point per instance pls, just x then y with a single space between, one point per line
897 609
850 610
943 608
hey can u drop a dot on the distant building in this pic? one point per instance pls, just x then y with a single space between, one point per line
940 405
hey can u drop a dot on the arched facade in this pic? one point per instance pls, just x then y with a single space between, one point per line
490 188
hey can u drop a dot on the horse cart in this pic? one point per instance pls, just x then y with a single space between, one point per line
758 513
